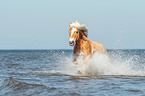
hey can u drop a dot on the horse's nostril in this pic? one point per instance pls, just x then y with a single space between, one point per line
71 42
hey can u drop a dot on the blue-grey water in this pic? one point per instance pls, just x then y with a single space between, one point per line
52 73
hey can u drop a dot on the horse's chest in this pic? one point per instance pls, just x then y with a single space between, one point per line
83 48
82 53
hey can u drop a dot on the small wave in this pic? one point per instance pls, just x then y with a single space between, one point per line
57 73
50 73
12 87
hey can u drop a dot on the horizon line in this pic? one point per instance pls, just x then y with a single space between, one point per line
71 49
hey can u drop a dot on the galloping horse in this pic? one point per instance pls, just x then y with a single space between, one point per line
82 44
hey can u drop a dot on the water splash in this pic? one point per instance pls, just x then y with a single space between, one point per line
114 66
117 63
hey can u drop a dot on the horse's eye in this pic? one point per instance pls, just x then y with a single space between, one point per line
77 32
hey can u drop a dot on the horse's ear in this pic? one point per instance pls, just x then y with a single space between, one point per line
70 22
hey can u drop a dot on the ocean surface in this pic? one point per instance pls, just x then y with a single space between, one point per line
52 73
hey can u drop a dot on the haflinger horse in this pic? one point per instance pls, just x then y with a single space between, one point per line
82 44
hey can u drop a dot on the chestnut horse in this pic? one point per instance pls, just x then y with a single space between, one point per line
82 44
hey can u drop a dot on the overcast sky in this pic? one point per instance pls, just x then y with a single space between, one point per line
44 24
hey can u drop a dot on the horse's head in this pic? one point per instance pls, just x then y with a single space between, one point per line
74 35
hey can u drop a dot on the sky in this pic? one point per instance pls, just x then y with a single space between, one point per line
44 24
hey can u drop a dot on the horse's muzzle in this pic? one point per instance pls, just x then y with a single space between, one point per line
71 43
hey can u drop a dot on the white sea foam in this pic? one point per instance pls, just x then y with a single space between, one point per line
101 64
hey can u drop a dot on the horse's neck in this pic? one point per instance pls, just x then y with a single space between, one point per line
83 37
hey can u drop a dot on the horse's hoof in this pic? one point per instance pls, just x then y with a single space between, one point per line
75 62
79 72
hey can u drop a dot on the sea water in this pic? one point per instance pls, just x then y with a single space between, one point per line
52 72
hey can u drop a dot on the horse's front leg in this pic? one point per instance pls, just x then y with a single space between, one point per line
86 61
75 60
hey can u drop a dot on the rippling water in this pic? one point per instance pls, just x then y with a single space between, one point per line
51 72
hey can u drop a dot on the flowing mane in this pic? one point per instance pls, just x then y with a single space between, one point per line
80 27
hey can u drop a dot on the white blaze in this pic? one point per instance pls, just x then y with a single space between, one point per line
72 32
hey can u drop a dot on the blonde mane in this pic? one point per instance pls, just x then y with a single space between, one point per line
79 26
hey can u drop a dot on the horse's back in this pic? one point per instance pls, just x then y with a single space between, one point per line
99 47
